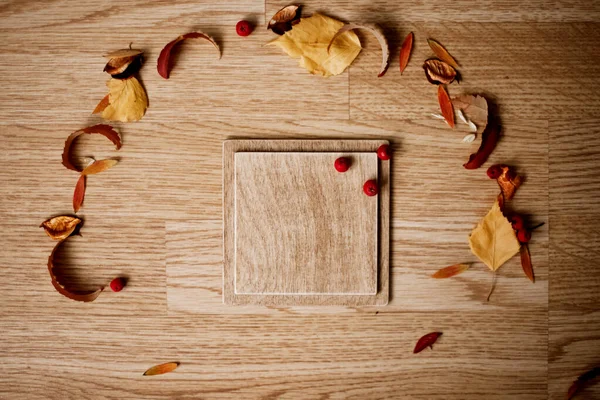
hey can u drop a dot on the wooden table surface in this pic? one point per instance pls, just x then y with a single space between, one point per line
156 216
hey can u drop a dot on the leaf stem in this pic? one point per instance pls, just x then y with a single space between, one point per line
493 286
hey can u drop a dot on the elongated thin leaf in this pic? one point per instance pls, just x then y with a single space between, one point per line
526 262
98 166
450 271
405 51
441 52
161 369
102 129
378 33
427 341
102 105
446 105
79 193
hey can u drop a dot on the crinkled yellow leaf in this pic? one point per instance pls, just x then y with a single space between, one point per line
493 240
308 40
127 100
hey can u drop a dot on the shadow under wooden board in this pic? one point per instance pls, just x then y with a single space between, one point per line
298 232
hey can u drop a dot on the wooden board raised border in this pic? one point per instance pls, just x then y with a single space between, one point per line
230 147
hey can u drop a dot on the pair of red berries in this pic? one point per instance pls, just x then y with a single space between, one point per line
518 224
370 187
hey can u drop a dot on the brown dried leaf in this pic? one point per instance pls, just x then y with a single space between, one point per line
123 68
450 271
378 32
73 295
439 72
526 262
405 51
164 59
475 108
509 182
582 381
79 193
98 166
161 369
441 52
446 105
281 22
61 227
427 341
102 129
102 105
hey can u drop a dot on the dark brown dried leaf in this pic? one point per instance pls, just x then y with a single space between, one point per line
439 72
283 19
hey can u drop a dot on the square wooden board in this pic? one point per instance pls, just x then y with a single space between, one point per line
296 231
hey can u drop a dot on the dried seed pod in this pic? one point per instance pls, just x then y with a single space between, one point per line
61 227
439 72
123 63
283 19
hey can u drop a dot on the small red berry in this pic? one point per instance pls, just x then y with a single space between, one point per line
370 187
342 164
494 171
384 152
523 235
517 222
117 284
243 28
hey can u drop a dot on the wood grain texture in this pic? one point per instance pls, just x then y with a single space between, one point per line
156 217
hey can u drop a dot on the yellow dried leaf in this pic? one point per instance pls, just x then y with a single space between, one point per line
127 100
308 40
493 240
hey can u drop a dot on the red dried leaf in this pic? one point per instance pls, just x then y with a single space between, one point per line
79 193
102 105
446 105
405 51
582 381
102 129
282 21
163 64
161 369
489 138
98 166
526 262
450 271
73 295
378 33
441 52
427 341
509 182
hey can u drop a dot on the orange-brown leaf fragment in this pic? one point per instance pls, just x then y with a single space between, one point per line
61 227
441 52
405 51
283 19
450 271
509 182
98 166
439 72
73 295
378 33
102 105
427 341
161 369
164 59
582 381
526 262
102 129
446 105
79 193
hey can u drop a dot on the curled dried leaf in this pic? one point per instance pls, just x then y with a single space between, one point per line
439 72
282 21
102 129
124 67
98 166
583 380
61 227
127 100
426 341
446 105
378 32
450 271
161 369
79 193
71 294
405 51
489 138
164 59
526 262
441 52
475 108
508 181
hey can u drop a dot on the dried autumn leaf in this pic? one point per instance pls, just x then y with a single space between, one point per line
127 100
378 33
61 227
580 382
71 294
493 240
441 52
439 72
405 51
102 105
161 369
98 166
164 59
509 182
309 39
526 262
102 129
426 341
489 138
446 105
79 193
282 21
450 271
123 68
475 108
